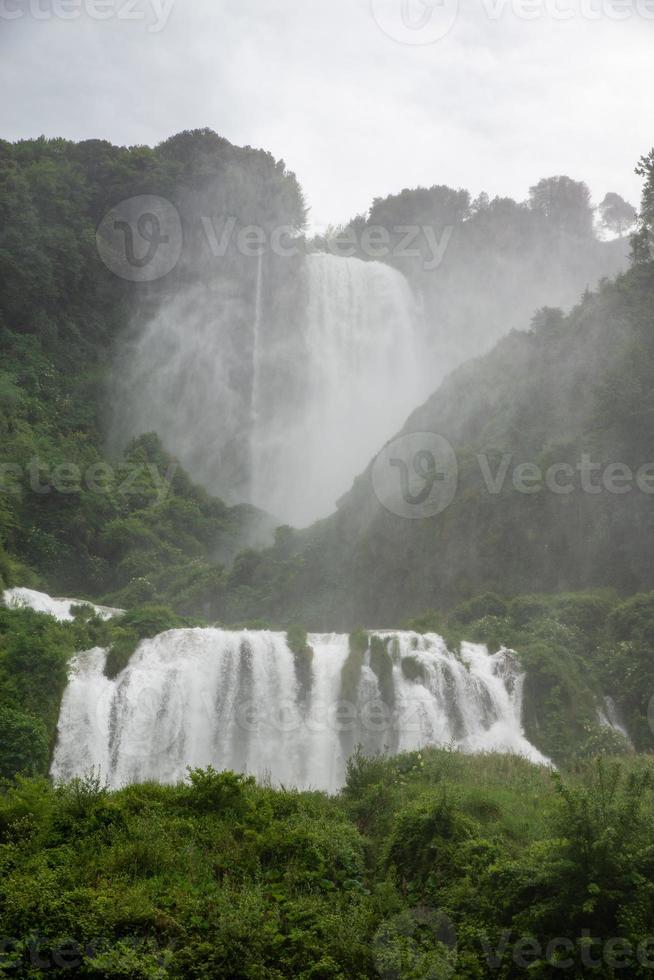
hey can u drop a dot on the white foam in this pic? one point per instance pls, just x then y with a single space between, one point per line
241 700
59 608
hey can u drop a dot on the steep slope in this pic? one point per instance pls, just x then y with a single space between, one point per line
574 391
481 268
87 520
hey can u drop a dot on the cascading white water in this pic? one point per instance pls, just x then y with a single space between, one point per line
609 717
277 409
245 701
361 374
21 598
187 377
255 407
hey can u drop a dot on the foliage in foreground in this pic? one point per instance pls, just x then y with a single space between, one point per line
430 864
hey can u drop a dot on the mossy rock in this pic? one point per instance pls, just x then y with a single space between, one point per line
413 669
351 672
381 663
120 653
302 651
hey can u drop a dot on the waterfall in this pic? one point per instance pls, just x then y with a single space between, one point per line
278 400
256 344
61 609
609 717
245 701
360 374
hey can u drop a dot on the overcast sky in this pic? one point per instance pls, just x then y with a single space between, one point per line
360 97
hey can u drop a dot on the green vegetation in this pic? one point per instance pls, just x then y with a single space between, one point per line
296 637
79 519
139 624
643 240
35 651
576 648
34 654
572 396
430 864
466 256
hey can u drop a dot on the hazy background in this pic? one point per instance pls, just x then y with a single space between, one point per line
495 104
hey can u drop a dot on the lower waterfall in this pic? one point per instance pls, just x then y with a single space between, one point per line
245 701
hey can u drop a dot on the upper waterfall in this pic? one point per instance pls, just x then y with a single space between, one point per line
278 409
245 701
361 374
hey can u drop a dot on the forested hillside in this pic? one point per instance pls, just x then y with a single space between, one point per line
551 457
80 514
481 267
326 500
76 517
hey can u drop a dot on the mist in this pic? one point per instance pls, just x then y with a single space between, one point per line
275 365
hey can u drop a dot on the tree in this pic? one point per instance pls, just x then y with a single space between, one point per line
642 242
565 203
23 743
616 214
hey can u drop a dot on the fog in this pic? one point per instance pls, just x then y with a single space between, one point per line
275 366
266 389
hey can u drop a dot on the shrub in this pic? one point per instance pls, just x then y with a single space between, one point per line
24 744
218 792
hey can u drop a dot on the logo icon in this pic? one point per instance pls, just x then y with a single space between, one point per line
416 475
418 942
141 238
415 21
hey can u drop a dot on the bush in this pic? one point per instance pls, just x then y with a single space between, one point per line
488 604
136 625
24 744
218 792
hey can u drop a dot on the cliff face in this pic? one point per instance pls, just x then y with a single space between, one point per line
550 438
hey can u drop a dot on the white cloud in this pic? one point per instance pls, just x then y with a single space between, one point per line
494 105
